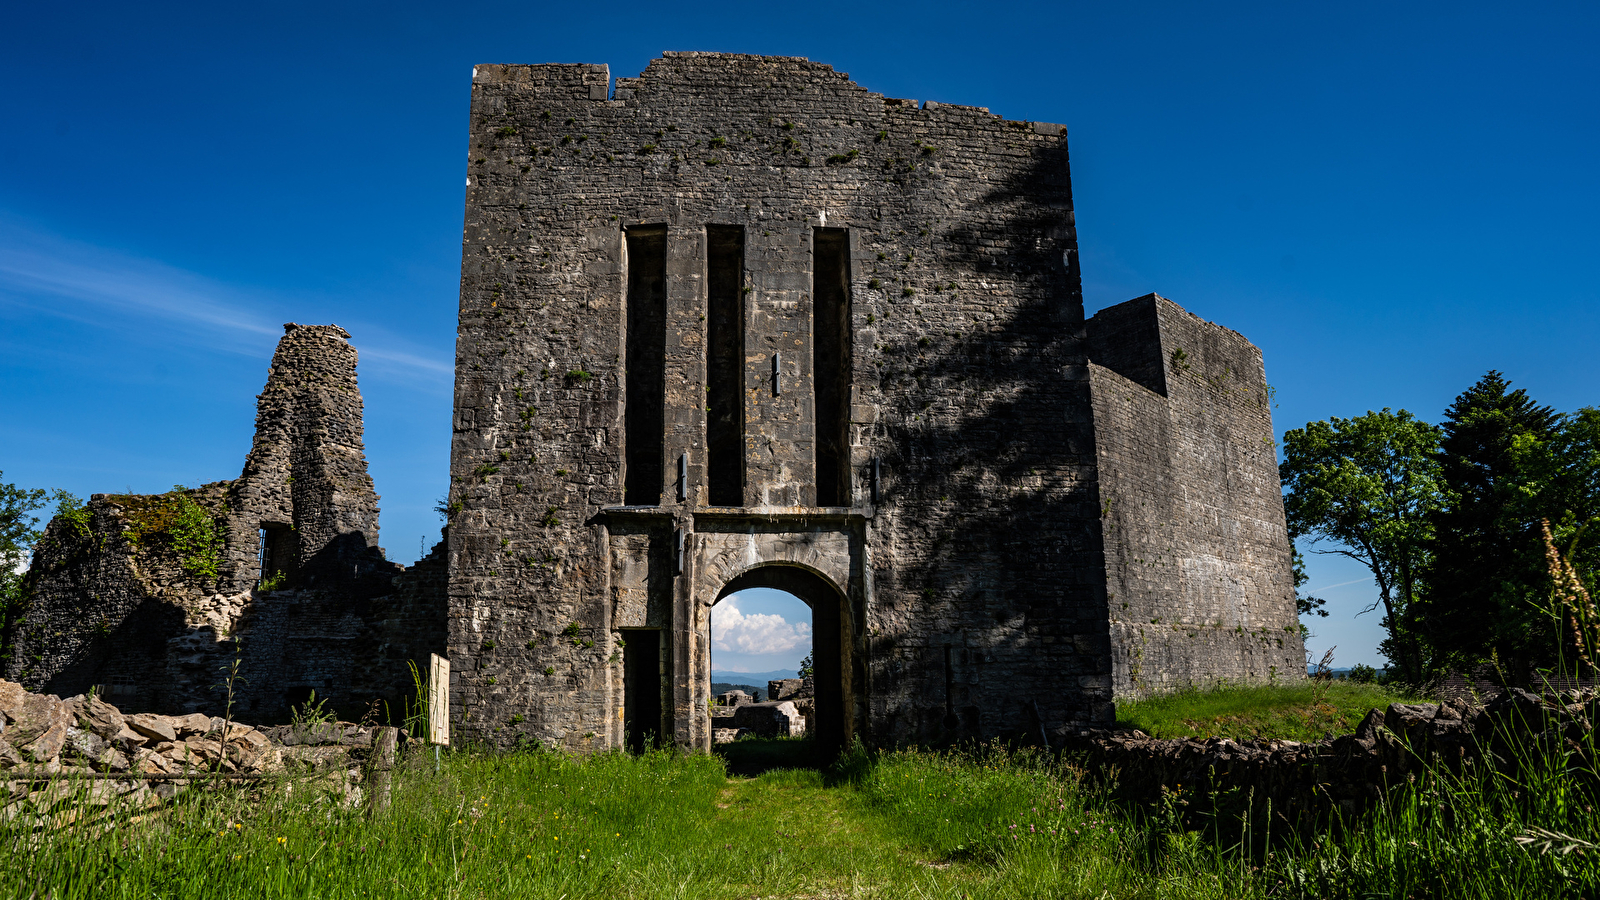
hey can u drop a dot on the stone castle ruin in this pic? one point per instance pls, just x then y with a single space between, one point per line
737 322
150 597
740 322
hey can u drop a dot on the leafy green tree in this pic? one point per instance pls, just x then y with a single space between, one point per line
1370 486
807 669
1305 604
19 529
1501 458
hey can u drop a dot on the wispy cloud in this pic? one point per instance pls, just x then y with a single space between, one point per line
80 281
100 287
1329 587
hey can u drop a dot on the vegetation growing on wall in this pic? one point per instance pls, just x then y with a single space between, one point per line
175 521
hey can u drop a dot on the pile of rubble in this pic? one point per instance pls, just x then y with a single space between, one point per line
1305 781
43 734
46 741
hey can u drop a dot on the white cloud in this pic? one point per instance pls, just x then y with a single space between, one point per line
734 631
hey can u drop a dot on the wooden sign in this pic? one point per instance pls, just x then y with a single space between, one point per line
438 700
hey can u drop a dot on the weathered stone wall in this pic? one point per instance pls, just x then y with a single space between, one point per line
151 597
1304 784
979 600
1197 555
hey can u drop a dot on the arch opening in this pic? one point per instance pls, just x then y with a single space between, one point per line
827 725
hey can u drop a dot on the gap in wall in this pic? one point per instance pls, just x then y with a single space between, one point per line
831 363
645 365
725 364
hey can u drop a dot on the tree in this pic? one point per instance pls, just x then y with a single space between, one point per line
1306 604
1370 486
1506 465
18 532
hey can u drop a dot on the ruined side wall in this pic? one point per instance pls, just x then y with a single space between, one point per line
968 381
1197 555
111 582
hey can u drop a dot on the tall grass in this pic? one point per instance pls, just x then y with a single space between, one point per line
1476 833
905 824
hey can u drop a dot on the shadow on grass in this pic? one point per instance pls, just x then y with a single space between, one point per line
751 756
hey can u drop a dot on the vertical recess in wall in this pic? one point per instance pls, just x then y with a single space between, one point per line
830 299
642 687
725 364
645 364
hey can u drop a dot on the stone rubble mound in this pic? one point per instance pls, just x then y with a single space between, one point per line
46 741
43 734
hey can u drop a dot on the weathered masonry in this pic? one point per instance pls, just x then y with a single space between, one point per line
149 598
742 322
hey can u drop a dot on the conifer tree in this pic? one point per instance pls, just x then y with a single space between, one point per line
1487 563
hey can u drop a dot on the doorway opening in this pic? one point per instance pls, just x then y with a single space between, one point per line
642 685
763 623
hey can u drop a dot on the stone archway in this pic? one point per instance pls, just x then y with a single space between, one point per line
829 643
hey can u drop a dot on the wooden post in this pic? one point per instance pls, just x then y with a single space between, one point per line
383 750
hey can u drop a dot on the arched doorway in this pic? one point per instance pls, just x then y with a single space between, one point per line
830 657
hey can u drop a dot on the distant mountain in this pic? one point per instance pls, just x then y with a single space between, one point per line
756 678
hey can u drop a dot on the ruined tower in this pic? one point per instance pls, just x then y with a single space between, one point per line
148 598
741 322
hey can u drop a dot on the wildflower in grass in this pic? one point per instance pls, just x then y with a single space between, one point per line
283 840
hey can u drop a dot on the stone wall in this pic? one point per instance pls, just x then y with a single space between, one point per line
1197 554
152 597
1303 784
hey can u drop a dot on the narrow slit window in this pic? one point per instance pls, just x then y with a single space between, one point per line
725 364
645 365
831 362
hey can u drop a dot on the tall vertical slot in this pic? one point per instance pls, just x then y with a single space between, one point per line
646 390
831 362
641 689
725 364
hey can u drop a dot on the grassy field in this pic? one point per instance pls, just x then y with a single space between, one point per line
976 824
1305 711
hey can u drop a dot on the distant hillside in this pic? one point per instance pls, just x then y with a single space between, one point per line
756 678
722 687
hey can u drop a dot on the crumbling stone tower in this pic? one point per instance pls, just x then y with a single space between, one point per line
305 484
742 322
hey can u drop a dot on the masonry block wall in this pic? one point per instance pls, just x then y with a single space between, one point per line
925 453
151 597
1198 571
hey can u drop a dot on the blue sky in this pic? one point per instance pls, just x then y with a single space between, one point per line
1389 199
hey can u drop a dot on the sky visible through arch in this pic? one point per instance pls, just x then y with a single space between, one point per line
759 631
1388 199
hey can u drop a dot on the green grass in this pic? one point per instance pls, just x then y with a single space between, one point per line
1303 711
901 825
